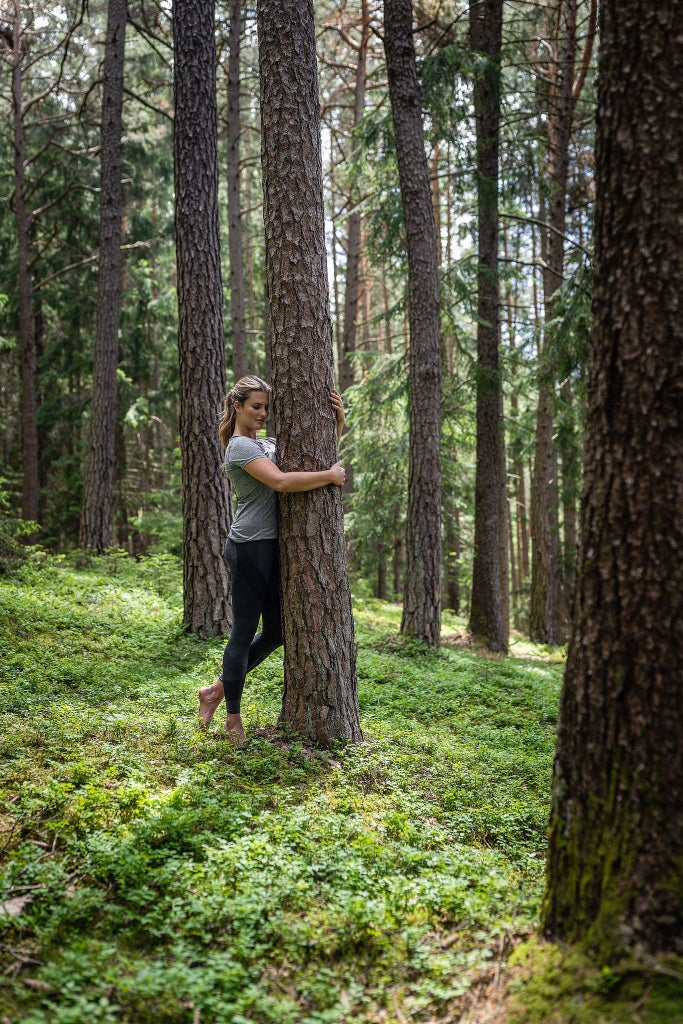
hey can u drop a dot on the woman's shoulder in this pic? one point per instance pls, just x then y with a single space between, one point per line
241 449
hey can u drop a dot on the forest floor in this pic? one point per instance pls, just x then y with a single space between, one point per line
154 874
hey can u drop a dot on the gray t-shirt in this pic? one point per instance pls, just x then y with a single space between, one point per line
256 515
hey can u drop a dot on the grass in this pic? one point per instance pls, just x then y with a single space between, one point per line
155 875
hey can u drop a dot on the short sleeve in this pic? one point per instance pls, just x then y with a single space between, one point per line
243 450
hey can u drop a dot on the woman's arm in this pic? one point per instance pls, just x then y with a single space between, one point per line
268 473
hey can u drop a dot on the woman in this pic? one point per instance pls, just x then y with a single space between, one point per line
252 548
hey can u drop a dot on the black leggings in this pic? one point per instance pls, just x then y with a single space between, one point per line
255 572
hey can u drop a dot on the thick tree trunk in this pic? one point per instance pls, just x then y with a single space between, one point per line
201 345
489 573
320 699
27 340
616 844
422 586
544 613
240 363
98 491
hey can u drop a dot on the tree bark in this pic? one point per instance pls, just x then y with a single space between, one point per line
489 573
422 584
353 223
27 340
320 697
98 490
544 612
201 344
616 842
240 363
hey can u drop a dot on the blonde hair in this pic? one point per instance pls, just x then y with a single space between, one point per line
241 391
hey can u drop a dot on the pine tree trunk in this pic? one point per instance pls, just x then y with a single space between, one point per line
616 845
201 345
240 366
544 614
320 699
27 340
353 229
98 491
422 585
489 574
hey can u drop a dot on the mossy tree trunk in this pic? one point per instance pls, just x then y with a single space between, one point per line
616 843
320 698
201 344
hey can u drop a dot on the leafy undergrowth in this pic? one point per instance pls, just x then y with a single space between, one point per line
156 875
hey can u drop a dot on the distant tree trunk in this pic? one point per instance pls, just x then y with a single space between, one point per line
320 698
489 579
201 345
27 339
544 612
353 228
381 571
98 491
452 541
240 365
353 234
422 586
616 842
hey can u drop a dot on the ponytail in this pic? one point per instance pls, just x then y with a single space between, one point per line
241 391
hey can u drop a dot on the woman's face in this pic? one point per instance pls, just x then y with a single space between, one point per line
252 413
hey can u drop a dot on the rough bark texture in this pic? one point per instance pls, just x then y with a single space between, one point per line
27 340
98 490
353 229
240 363
422 584
616 847
544 612
489 573
320 698
201 345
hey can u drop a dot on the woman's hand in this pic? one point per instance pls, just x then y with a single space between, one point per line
338 406
338 474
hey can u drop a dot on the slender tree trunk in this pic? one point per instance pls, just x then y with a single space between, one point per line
489 574
240 366
569 456
544 614
452 541
201 344
353 224
98 492
27 340
422 588
616 842
320 699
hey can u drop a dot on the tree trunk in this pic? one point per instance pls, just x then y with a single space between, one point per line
489 573
240 366
544 613
201 345
422 586
616 844
98 490
320 698
27 340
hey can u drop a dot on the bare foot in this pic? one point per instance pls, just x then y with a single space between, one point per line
209 699
234 730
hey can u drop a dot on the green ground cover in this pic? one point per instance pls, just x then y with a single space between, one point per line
152 874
